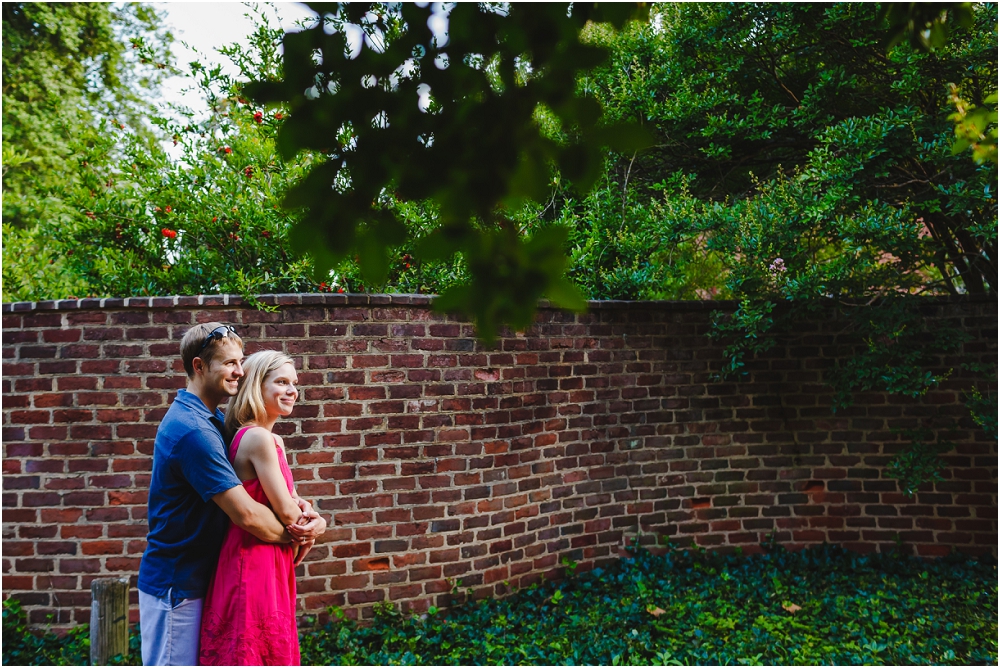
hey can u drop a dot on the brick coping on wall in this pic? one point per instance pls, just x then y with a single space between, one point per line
384 299
316 299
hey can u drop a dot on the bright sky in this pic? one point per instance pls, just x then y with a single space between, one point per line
205 26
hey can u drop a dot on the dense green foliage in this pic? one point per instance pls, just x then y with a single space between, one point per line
748 193
803 188
818 606
200 217
148 223
66 68
806 142
25 647
22 647
65 65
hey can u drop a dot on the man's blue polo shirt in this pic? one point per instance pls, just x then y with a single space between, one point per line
186 527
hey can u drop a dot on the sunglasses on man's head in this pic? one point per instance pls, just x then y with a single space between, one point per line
220 332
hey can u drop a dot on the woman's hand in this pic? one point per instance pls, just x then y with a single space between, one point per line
304 505
303 550
309 527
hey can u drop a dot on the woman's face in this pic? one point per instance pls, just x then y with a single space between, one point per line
279 391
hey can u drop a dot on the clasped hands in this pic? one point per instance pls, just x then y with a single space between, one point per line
306 529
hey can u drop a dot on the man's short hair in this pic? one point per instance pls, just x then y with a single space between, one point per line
194 339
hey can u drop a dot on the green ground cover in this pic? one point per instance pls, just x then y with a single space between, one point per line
817 606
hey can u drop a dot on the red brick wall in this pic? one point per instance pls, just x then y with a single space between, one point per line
439 461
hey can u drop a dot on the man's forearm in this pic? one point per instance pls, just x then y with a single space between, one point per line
263 524
254 518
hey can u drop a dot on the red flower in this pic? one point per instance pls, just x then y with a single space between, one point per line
278 116
248 172
340 289
168 233
258 117
225 149
168 208
214 218
265 234
322 287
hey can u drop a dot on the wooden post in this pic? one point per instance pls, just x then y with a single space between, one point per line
108 619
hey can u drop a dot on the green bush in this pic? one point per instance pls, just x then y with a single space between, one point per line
25 647
22 647
817 606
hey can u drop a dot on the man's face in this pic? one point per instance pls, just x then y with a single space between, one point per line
226 368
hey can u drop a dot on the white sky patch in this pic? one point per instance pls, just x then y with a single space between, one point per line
423 96
437 22
355 39
206 26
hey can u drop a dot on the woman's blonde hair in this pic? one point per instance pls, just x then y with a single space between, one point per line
248 404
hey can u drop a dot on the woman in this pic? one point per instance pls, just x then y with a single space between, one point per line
249 614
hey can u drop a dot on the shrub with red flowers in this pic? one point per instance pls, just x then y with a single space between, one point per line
224 230
220 231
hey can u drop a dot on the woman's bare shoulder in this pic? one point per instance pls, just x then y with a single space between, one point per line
255 439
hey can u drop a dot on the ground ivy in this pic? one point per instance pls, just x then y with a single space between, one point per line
823 605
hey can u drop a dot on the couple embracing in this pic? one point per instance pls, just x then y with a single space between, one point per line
226 528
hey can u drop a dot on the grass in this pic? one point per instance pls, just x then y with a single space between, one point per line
818 606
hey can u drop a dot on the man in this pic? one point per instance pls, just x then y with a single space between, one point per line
192 492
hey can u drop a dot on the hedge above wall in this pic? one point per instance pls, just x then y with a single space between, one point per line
441 462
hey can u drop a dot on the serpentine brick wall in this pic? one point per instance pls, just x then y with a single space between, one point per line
439 461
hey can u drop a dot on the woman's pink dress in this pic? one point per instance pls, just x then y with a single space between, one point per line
248 617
